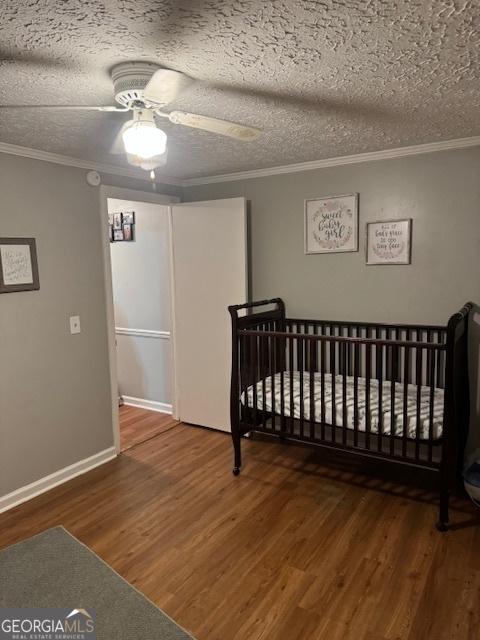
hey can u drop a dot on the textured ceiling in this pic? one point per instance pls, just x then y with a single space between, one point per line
322 78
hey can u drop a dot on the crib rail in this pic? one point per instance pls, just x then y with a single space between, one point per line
357 411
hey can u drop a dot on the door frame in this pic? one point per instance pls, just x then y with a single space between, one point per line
121 193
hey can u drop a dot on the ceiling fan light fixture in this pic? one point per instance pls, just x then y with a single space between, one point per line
142 138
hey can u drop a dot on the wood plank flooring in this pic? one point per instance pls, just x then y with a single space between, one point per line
138 425
294 548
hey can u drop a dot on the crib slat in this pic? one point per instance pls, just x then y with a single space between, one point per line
333 350
388 356
356 355
439 362
418 382
368 373
301 367
299 347
241 377
428 369
273 347
431 404
379 368
292 406
406 378
282 388
254 348
312 358
394 360
348 368
264 340
322 392
315 351
344 350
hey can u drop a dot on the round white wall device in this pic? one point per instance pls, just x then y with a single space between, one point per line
93 178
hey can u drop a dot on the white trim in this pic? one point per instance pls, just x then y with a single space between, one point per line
152 405
38 154
54 479
371 156
142 333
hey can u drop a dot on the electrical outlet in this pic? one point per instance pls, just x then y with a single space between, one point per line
75 324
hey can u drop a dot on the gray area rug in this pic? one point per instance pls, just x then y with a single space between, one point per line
54 569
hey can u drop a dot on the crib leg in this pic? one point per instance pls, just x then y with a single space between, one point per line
443 519
237 451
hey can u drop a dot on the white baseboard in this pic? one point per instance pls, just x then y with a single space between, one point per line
161 407
54 479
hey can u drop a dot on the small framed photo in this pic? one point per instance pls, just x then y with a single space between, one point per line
118 235
389 242
331 224
117 221
110 232
110 219
18 265
129 217
128 232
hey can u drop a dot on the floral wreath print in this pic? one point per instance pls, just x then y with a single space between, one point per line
319 233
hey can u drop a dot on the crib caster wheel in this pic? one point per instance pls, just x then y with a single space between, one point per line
236 471
442 526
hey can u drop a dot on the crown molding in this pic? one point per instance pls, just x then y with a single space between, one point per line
371 156
46 156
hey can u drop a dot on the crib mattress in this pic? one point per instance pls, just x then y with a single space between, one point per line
264 401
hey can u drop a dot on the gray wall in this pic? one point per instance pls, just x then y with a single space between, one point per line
141 296
55 406
440 191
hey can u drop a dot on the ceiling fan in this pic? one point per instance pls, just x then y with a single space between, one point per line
145 89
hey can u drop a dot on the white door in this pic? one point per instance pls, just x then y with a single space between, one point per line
209 256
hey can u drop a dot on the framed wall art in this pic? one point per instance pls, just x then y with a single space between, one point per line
389 242
129 217
18 265
117 221
121 226
331 224
128 232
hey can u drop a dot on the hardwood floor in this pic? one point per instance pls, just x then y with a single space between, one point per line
138 425
291 549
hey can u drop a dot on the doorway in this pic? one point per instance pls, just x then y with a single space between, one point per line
206 243
138 243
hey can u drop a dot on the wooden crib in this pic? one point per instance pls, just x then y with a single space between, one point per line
398 393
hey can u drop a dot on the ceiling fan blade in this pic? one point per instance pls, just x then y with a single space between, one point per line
108 109
165 86
222 127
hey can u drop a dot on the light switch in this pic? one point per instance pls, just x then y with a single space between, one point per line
75 324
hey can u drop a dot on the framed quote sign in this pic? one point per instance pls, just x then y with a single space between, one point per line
331 224
389 242
18 265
